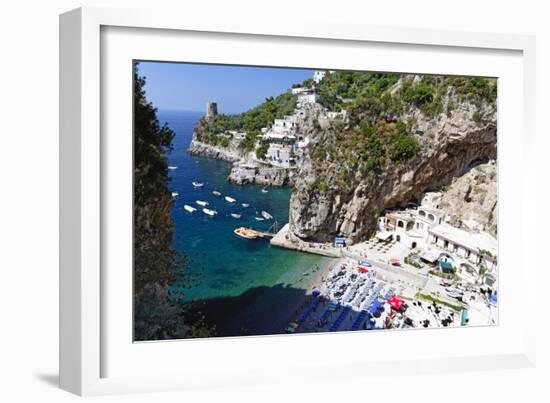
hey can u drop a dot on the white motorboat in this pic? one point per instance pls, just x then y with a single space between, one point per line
266 215
230 199
209 211
175 194
172 168
236 215
187 207
216 193
259 218
202 203
264 190
245 205
198 184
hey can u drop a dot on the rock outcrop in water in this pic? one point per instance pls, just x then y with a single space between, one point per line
257 174
448 144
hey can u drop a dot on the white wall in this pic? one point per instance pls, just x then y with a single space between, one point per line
28 202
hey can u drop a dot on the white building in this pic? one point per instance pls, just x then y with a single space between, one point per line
280 155
432 200
287 125
318 75
308 98
478 248
237 135
332 115
411 226
298 90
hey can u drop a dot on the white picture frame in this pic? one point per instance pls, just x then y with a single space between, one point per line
87 343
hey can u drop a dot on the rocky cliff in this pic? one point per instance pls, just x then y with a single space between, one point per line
245 174
229 153
388 155
471 200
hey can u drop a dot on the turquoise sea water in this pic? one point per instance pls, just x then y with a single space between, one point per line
239 274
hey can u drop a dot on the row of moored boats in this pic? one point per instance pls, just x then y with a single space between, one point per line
211 212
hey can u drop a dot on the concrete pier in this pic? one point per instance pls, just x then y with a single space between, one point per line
282 240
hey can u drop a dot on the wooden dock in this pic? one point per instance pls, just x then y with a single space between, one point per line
265 234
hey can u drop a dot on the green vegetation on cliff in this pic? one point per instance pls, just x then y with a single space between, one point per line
250 122
157 266
377 132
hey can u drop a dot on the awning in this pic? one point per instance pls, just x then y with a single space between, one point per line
394 261
374 307
339 240
384 235
396 303
363 270
430 256
446 267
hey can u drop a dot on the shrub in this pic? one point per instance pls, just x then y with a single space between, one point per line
224 142
403 148
261 151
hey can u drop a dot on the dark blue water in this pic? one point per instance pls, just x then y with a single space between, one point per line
227 266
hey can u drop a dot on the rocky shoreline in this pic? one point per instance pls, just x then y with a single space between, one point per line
244 170
200 149
257 174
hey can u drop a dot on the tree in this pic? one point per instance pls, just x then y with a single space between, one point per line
157 315
261 151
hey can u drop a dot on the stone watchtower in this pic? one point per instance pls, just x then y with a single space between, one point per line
211 110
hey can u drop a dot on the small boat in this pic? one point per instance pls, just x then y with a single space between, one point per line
266 215
245 205
259 218
246 233
236 215
202 203
216 193
175 194
230 199
172 167
264 190
209 211
189 208
198 184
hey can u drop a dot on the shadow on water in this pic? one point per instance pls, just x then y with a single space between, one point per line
258 311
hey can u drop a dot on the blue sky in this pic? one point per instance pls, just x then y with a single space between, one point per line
187 87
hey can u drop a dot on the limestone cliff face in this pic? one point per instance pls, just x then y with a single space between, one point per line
229 154
262 175
471 200
449 144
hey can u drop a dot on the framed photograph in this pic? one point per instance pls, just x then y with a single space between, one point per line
240 198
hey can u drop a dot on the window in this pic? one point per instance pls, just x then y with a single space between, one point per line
431 217
422 213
